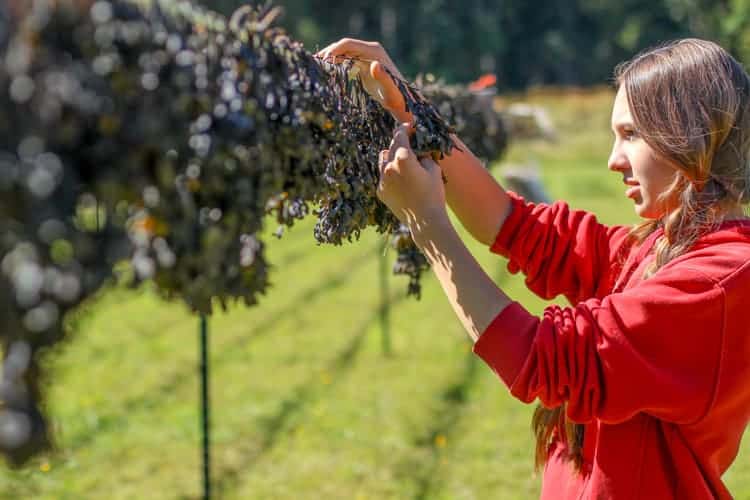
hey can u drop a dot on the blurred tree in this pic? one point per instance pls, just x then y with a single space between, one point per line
726 21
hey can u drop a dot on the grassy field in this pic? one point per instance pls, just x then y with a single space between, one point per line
306 404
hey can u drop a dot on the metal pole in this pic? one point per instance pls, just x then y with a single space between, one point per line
205 428
385 322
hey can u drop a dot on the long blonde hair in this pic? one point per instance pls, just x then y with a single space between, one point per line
690 102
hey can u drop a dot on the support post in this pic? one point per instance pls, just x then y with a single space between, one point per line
385 304
205 427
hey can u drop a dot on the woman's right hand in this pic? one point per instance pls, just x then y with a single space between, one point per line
375 78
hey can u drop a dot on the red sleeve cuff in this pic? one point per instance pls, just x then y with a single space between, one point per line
507 231
506 342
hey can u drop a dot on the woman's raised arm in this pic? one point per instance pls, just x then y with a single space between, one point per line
477 199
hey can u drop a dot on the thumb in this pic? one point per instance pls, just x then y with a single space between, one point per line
372 85
391 95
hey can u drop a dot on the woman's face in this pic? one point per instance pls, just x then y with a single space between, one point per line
644 173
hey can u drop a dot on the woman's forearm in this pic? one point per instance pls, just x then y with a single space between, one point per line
477 199
475 298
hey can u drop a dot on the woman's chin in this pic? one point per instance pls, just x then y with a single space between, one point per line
646 212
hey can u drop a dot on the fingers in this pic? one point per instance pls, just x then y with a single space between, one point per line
392 97
345 44
382 164
382 161
400 147
372 85
377 81
394 160
349 47
391 94
378 73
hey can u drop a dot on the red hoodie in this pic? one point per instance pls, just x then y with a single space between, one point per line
658 370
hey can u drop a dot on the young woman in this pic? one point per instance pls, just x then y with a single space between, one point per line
644 382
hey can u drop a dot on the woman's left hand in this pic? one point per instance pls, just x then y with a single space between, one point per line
412 188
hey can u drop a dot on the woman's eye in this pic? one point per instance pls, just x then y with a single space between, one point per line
629 134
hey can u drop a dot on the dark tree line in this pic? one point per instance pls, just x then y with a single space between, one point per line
571 42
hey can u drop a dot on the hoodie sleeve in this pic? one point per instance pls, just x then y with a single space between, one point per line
654 348
559 250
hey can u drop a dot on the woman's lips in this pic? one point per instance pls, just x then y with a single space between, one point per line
632 191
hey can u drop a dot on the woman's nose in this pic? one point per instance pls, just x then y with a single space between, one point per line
617 161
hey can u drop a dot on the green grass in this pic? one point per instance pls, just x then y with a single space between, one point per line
305 405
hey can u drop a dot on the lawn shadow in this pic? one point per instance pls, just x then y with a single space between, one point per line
274 426
444 420
166 388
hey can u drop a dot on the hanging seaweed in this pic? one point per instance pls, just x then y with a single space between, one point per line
163 135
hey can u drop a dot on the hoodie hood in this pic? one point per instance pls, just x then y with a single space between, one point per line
728 232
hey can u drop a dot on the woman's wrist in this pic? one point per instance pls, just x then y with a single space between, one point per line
430 227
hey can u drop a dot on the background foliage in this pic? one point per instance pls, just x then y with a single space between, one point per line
525 43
